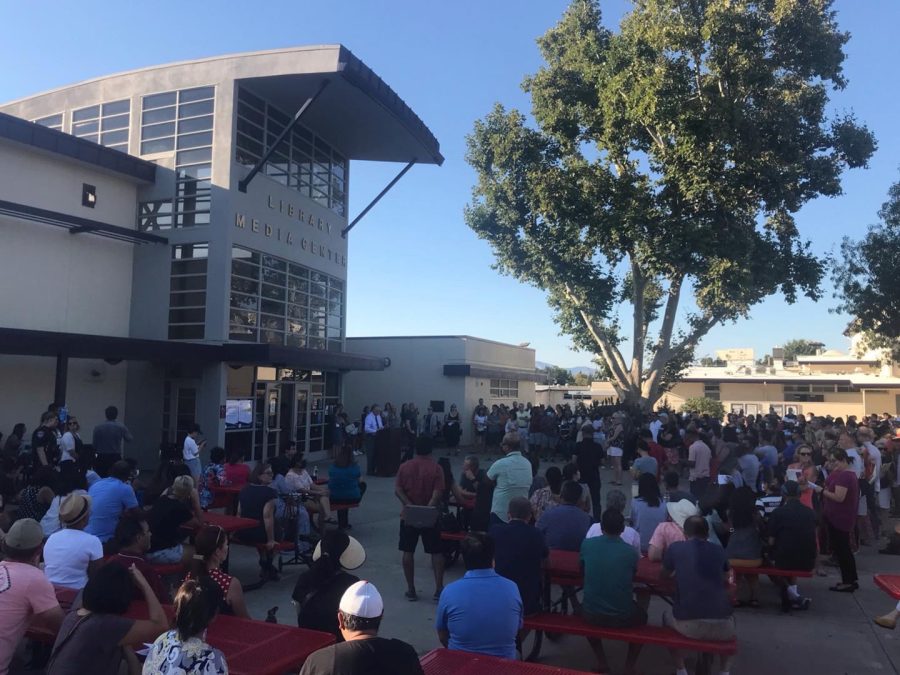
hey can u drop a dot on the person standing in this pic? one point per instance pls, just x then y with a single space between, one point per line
511 476
452 430
420 482
588 456
70 445
44 445
840 499
27 597
191 451
107 440
372 424
482 612
699 456
362 652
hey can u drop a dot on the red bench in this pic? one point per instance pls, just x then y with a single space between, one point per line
343 506
452 662
771 572
889 583
660 636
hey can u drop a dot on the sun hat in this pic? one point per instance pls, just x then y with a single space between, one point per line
362 599
74 509
681 510
182 487
24 535
349 551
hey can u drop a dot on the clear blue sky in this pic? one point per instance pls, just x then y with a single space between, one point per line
415 268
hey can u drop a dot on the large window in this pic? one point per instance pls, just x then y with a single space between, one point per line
275 301
504 388
303 161
51 121
180 122
187 292
711 391
104 123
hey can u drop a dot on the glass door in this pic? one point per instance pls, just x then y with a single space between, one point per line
301 420
272 423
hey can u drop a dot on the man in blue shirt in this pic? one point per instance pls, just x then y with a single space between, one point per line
565 526
520 553
110 498
482 612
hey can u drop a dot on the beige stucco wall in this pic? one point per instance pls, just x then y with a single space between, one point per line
54 280
28 388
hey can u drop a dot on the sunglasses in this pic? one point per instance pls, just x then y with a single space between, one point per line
805 454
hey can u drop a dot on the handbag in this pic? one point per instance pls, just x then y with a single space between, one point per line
420 517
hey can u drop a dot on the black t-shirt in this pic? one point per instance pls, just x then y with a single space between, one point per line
253 500
44 437
793 526
373 656
165 519
519 550
588 458
484 493
319 599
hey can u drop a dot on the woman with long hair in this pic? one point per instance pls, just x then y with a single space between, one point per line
345 484
183 650
257 500
840 500
547 497
210 551
647 509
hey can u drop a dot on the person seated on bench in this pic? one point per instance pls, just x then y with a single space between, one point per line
297 479
565 526
345 484
236 472
475 486
744 548
482 612
792 537
257 501
210 551
547 497
648 511
701 609
609 565
131 542
318 591
672 530
360 651
520 553
616 499
172 511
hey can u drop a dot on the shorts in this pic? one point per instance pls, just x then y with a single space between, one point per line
614 451
166 556
638 617
715 630
409 539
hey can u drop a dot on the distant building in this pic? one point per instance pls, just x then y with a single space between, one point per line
828 383
439 371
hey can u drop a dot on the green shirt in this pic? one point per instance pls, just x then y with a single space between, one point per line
609 568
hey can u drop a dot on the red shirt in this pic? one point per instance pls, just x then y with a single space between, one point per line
842 515
658 453
419 478
237 474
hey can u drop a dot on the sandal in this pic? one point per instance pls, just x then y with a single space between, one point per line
411 596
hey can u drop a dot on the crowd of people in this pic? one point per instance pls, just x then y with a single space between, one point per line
793 493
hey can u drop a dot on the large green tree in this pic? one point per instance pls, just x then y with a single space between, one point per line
800 346
867 280
665 158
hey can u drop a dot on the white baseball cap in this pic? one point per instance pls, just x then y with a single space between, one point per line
362 599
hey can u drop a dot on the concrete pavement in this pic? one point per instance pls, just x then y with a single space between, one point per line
835 637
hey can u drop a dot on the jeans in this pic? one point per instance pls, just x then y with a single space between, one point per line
840 545
193 466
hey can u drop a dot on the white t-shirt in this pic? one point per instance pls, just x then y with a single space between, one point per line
629 536
50 522
191 450
67 447
66 557
875 454
856 462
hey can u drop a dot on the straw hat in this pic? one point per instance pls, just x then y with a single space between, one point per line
74 509
680 511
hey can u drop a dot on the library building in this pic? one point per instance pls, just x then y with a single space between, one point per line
175 244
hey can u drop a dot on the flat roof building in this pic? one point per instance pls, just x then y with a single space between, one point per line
177 236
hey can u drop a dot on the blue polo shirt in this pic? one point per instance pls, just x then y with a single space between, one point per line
482 612
564 527
110 497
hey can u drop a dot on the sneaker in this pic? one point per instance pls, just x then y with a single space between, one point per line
801 603
886 622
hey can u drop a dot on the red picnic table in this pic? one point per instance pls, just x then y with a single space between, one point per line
564 569
225 496
230 524
452 662
889 583
254 647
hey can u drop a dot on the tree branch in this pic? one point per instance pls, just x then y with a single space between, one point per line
638 284
668 324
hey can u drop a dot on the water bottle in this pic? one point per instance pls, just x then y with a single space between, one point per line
315 473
